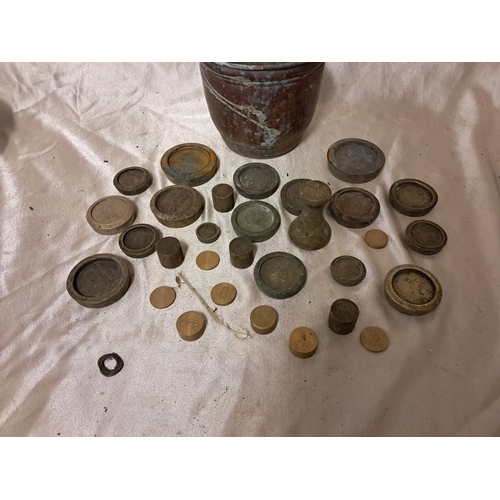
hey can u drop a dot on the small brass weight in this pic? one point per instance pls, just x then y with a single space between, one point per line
309 230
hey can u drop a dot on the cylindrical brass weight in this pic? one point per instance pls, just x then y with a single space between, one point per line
170 252
241 252
223 197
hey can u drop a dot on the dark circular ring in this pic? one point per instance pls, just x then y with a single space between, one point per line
412 197
256 220
106 371
133 180
354 207
280 275
208 232
425 237
139 241
347 270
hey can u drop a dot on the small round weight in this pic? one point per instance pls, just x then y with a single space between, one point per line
177 206
111 215
133 180
263 319
412 197
375 238
241 252
223 294
347 270
162 297
425 237
207 260
374 339
280 275
223 197
208 232
190 164
343 316
256 220
412 290
290 196
355 160
191 325
169 251
99 280
139 241
354 207
110 372
303 342
256 181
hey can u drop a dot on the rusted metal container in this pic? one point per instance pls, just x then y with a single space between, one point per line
261 109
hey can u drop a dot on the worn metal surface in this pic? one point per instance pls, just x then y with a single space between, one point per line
347 270
223 294
374 339
99 280
303 342
354 207
223 197
191 325
412 290
207 260
162 297
111 214
132 180
256 220
170 253
412 197
280 275
177 206
208 232
241 252
425 237
343 316
189 164
256 181
139 241
355 160
261 110
290 196
263 319
376 238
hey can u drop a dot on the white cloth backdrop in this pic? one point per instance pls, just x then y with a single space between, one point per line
67 129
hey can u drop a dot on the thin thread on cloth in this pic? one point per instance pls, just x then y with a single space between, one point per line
216 317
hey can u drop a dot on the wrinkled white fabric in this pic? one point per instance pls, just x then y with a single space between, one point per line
67 129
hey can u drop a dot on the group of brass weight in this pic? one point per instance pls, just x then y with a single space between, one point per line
102 279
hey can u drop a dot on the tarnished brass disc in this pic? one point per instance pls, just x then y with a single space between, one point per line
355 160
290 196
412 197
190 164
207 260
162 297
177 206
223 294
374 339
412 289
111 215
303 342
191 325
133 180
375 238
256 181
263 319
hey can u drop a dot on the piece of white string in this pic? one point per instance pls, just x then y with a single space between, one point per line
216 317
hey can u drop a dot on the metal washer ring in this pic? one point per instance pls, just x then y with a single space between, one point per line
106 371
